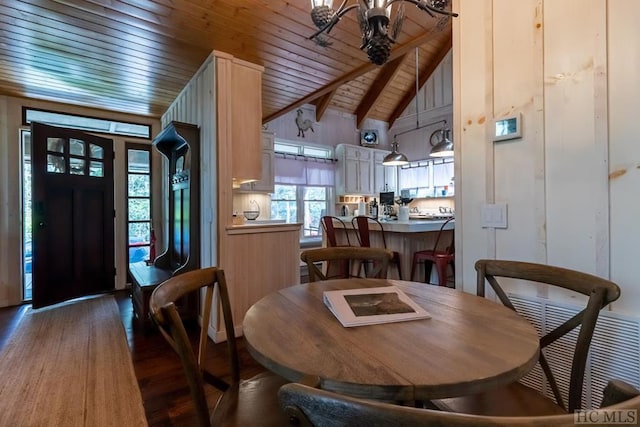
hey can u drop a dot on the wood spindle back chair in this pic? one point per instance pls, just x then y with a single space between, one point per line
312 407
516 398
352 256
243 401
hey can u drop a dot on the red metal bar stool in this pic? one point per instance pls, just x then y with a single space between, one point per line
361 226
335 268
441 255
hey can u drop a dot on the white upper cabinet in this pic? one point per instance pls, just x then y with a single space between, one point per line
384 177
354 172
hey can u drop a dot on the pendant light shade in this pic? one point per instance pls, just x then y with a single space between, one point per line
444 148
395 158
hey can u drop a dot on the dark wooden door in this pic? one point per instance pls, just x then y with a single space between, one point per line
73 214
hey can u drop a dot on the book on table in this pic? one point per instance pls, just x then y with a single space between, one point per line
369 306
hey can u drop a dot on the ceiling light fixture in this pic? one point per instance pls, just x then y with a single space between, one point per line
374 17
396 158
441 145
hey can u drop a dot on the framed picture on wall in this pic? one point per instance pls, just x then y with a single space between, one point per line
368 137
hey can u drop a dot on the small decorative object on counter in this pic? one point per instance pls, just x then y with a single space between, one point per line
238 219
252 213
403 213
362 208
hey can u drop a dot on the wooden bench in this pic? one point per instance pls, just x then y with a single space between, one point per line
144 279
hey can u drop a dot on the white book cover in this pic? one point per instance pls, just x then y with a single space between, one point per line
368 306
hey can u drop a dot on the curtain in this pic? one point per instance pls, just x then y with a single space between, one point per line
303 172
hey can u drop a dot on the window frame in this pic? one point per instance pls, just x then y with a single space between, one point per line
138 147
300 202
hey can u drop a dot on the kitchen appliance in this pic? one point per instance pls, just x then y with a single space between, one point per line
346 211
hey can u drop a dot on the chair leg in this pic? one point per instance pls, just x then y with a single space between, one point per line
396 260
442 272
427 271
414 263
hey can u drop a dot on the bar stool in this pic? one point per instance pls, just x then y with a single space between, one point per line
361 226
335 268
330 231
440 256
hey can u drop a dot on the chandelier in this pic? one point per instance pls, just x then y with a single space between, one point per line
374 17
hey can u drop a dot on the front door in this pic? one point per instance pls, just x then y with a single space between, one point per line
73 214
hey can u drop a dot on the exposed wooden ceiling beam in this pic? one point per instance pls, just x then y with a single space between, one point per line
322 103
385 76
355 73
422 79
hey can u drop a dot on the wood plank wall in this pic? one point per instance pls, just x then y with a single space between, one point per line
552 62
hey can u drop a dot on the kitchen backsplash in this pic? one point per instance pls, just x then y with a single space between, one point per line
243 202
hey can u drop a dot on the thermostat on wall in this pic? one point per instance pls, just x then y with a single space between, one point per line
508 128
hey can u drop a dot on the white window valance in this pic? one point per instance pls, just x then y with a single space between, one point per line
303 171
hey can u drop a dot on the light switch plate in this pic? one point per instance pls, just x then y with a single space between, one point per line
494 215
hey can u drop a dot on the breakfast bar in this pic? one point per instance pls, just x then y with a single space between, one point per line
405 237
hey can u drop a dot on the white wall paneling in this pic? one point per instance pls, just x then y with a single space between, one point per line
571 180
196 105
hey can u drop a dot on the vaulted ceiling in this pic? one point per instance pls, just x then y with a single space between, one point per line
136 55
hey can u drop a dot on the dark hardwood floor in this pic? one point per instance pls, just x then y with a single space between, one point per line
164 389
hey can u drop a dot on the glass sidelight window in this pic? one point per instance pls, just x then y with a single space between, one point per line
139 233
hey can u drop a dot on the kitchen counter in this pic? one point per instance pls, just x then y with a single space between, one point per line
405 237
410 226
252 227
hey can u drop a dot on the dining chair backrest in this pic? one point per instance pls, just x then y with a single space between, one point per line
330 231
312 407
440 245
599 291
361 224
353 256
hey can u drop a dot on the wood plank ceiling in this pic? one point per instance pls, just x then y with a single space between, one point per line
136 55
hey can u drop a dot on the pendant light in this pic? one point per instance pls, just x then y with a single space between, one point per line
395 158
444 148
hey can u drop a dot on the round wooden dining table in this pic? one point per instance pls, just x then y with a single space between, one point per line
469 344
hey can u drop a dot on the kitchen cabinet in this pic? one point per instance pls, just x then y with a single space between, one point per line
354 173
385 178
266 182
244 116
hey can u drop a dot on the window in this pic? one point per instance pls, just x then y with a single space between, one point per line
86 124
139 233
427 178
27 249
301 203
303 186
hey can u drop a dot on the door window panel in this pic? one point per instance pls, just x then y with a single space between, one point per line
77 166
96 151
76 147
55 164
96 169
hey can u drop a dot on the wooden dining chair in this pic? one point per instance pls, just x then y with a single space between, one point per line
361 224
243 402
516 398
312 407
353 256
442 255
